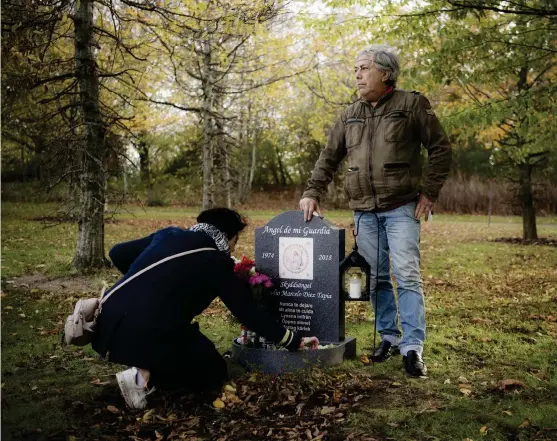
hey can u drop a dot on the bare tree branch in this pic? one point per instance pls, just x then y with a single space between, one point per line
521 8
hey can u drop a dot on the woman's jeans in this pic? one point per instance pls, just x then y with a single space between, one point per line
397 233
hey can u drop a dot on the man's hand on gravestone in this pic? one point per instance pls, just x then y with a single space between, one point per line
311 342
309 207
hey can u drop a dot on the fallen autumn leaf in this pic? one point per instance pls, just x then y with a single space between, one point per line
218 404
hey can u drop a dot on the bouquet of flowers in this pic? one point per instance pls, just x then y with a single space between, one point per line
259 284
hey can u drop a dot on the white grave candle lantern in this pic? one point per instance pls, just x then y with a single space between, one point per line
355 291
355 275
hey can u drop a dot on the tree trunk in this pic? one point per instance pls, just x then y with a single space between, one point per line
125 185
39 157
529 229
282 171
243 172
222 160
144 161
228 181
245 188
274 172
145 169
252 164
90 242
333 194
23 171
207 85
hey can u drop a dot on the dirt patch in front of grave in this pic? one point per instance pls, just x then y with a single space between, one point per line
519 241
62 285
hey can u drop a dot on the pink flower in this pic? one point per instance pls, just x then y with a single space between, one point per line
255 280
260 279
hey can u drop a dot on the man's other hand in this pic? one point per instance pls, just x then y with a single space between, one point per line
423 207
309 207
311 342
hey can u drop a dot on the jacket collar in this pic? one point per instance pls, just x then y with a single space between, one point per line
384 98
214 233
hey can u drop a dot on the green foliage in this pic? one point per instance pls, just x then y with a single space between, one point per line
276 79
507 96
472 159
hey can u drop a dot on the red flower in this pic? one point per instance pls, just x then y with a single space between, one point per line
244 267
248 262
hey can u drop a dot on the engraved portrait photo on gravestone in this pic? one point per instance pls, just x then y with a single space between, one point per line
296 258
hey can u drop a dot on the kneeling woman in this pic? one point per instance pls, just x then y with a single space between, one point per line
148 323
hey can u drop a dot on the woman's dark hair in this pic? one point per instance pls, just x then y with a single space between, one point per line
230 222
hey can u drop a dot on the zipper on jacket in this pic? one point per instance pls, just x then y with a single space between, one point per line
373 190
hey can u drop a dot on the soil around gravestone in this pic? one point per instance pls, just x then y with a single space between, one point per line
62 285
312 405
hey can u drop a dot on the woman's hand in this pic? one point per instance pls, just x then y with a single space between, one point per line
311 342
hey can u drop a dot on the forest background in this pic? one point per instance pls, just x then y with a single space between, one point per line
203 103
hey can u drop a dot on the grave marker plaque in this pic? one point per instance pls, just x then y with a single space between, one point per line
303 260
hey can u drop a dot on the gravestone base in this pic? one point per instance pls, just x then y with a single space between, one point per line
275 362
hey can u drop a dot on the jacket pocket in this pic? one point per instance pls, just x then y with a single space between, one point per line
354 129
397 178
396 126
352 183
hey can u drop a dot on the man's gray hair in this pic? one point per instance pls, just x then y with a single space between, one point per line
385 59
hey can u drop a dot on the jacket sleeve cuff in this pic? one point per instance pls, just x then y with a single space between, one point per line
312 194
431 194
290 340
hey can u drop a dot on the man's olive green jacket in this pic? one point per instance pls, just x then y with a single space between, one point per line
382 146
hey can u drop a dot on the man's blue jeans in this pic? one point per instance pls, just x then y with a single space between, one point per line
397 232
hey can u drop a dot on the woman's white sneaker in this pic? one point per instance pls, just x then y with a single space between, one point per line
134 395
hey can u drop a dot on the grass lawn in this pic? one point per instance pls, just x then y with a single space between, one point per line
491 348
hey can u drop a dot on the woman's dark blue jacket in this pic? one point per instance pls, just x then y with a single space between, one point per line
147 322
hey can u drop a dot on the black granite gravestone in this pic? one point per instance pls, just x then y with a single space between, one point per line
303 260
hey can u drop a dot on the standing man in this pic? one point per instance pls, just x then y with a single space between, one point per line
381 135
